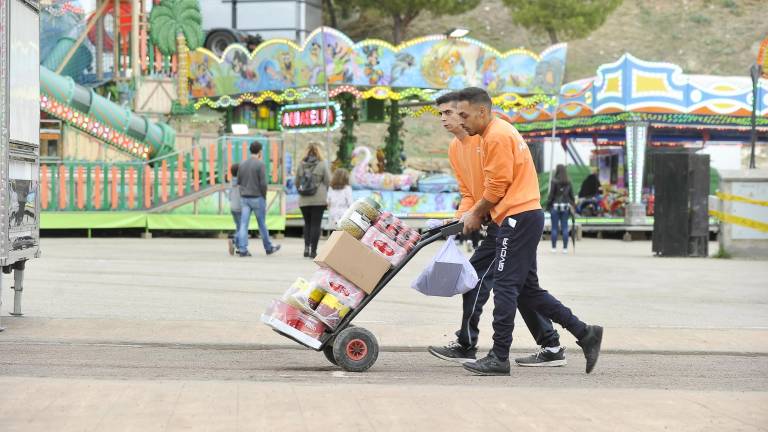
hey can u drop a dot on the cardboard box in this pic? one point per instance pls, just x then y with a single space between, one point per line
348 257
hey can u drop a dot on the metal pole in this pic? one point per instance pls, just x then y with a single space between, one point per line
234 14
552 151
135 68
18 287
755 71
100 47
116 41
327 98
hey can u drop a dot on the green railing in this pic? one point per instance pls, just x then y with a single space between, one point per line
137 185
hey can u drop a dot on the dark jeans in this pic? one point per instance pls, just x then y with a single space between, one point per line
559 220
482 260
516 281
313 218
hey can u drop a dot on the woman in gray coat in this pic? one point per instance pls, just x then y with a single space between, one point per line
312 179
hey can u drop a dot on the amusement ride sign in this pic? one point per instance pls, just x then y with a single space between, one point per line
311 117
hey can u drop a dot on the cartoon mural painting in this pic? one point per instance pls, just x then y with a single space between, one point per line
549 75
430 62
403 62
372 70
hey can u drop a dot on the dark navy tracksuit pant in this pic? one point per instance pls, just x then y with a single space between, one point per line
483 261
516 282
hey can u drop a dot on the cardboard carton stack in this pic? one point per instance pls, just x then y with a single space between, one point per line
350 269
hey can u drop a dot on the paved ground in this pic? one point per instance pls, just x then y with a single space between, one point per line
163 334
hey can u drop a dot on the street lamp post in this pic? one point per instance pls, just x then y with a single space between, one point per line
755 71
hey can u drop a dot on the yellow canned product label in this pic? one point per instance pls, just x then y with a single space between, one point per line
333 303
316 294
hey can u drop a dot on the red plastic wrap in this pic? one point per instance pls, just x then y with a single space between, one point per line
284 312
331 311
384 245
337 285
296 318
310 326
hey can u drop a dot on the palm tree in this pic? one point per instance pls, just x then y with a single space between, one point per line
176 26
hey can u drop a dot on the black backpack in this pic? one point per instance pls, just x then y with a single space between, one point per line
307 184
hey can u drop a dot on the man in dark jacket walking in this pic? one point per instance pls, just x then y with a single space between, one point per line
252 181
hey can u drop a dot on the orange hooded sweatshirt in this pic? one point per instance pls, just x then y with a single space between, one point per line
498 168
510 175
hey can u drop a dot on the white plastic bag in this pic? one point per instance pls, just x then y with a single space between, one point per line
449 273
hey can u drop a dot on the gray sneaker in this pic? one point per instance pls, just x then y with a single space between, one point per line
489 365
543 358
454 351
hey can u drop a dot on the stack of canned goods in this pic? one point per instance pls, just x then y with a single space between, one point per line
398 231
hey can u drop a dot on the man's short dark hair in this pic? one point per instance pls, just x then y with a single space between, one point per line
255 147
447 98
475 96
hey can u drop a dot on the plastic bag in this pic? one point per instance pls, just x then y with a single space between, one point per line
449 273
304 295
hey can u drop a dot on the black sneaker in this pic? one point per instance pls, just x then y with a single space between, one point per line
274 249
244 254
454 351
544 358
489 365
590 344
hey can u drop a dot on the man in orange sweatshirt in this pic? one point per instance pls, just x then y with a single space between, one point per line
511 196
465 155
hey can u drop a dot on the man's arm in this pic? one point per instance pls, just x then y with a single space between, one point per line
467 201
263 180
498 165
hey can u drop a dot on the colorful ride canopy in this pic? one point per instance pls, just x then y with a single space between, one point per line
431 62
631 85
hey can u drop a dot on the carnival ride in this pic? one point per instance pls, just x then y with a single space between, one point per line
283 87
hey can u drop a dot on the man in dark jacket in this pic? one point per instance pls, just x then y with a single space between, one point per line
252 181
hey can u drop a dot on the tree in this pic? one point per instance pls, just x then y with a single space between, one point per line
176 26
347 142
393 146
573 19
403 12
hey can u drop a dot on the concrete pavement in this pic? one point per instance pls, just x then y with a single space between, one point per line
163 334
189 291
112 405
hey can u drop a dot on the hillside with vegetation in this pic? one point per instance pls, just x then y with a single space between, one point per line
718 37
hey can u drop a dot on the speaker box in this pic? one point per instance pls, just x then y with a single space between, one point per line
681 214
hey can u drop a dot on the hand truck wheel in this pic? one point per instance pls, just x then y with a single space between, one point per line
355 349
328 352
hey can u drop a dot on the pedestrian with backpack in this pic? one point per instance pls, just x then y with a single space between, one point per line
559 206
312 179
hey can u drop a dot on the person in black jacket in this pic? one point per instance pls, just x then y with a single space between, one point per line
559 206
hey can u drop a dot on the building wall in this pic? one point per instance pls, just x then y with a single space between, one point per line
78 145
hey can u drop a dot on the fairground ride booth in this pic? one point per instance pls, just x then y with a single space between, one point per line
282 89
633 109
